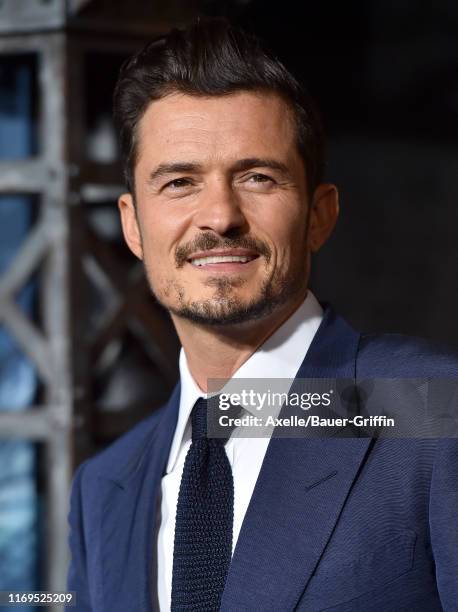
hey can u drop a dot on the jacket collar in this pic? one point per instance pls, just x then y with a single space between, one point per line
159 434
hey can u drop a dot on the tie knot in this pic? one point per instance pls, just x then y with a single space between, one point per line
199 419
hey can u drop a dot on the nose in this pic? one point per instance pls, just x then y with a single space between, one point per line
219 208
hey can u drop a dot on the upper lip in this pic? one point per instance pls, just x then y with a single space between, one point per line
224 253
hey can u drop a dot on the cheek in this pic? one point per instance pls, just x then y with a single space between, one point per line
160 233
287 235
291 250
153 253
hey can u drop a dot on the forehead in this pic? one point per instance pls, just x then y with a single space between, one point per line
239 124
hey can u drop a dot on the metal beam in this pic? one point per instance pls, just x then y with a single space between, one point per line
29 338
24 176
31 15
25 262
35 424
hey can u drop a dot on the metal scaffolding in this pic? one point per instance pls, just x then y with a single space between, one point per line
68 348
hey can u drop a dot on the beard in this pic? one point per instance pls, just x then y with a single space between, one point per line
225 308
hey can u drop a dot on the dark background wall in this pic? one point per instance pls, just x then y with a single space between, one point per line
385 76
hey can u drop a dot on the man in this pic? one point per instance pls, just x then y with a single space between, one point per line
224 160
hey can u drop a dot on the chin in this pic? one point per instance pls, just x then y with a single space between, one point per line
227 304
226 312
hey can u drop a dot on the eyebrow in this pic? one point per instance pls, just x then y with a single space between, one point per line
173 168
239 166
258 162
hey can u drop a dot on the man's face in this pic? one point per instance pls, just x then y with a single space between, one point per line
221 206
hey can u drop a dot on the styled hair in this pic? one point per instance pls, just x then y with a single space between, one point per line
211 58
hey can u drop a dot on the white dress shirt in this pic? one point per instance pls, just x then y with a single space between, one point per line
279 357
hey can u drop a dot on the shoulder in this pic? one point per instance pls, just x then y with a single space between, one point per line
394 355
122 456
111 459
127 444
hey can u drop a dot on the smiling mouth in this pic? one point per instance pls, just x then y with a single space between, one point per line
221 259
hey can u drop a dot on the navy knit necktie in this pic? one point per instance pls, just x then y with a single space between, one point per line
203 527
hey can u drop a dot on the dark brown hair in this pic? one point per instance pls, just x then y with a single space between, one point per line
211 58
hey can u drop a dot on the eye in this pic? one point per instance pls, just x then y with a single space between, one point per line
260 178
178 183
259 182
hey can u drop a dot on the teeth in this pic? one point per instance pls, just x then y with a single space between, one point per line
201 261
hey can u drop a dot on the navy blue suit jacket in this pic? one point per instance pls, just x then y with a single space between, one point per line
338 524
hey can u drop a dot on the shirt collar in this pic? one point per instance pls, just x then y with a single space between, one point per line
280 356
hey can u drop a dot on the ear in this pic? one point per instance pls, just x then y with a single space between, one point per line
323 215
130 225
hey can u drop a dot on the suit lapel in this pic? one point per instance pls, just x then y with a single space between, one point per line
128 519
299 494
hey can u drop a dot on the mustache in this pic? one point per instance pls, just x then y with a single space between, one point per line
208 241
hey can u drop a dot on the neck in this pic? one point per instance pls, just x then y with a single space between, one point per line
218 352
